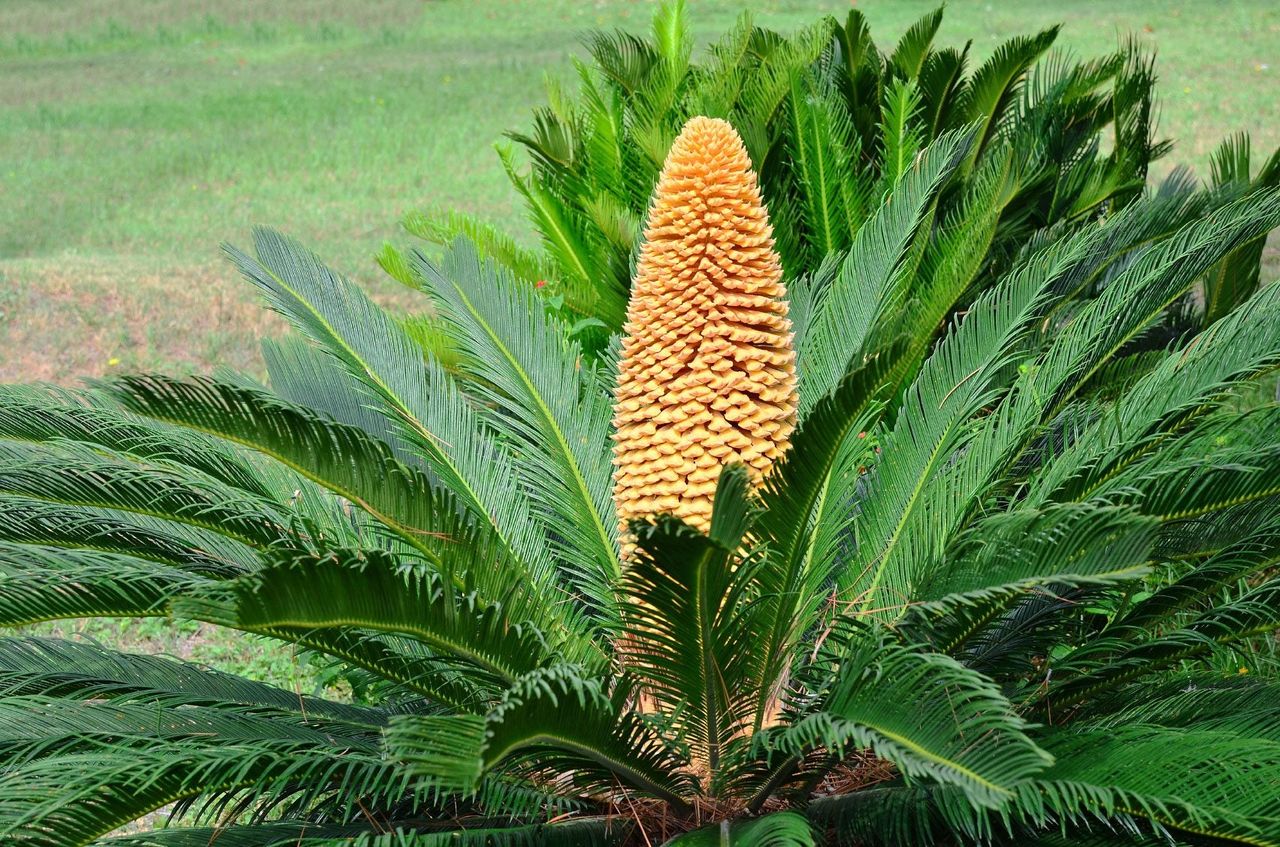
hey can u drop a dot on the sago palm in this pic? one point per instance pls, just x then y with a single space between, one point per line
869 589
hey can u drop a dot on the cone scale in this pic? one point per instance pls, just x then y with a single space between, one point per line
707 375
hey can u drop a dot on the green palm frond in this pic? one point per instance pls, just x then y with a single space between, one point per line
76 797
43 583
799 502
1254 554
913 48
1019 553
1210 783
341 459
43 415
968 371
906 526
58 668
38 727
523 364
1128 653
376 592
959 730
1236 278
690 633
1148 285
445 228
783 829
307 377
671 34
958 252
1241 703
860 69
577 257
871 280
902 131
1074 810
288 834
41 523
1181 387
424 404
75 476
940 81
995 84
552 720
833 196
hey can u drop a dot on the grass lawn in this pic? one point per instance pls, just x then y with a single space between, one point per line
136 135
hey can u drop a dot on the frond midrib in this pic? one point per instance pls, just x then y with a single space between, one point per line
425 635
622 769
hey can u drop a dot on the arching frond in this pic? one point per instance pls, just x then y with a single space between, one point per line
555 408
871 280
1242 560
72 476
185 548
552 720
374 591
1233 280
913 47
958 729
446 227
1183 384
784 829
428 411
42 583
995 85
799 503
42 415
1128 653
1016 554
85 671
74 798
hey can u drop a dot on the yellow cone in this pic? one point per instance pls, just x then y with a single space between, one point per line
707 376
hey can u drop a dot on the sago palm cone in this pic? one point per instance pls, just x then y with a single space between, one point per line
707 376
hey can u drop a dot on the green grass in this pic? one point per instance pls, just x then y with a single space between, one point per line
136 135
